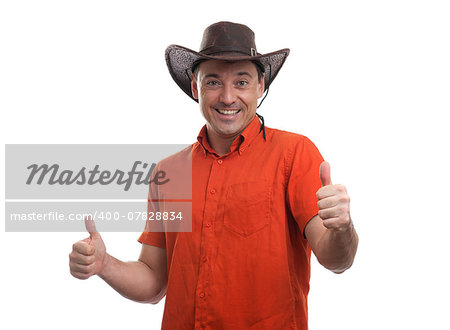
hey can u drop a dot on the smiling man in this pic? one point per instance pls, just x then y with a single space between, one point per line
262 199
228 94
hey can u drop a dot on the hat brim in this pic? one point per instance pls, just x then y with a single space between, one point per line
180 61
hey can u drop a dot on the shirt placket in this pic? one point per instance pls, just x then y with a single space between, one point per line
213 195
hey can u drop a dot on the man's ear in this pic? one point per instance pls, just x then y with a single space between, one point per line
261 86
194 87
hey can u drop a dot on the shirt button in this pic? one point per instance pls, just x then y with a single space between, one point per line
241 150
213 191
202 295
220 161
208 225
205 259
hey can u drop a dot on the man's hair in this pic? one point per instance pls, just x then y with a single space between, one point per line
258 66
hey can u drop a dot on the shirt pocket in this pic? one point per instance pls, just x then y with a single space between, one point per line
248 207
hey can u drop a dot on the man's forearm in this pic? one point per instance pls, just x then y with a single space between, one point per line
337 249
133 280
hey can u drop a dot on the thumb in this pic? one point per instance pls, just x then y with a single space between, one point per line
324 173
90 227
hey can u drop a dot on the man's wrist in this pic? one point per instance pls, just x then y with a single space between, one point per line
344 230
106 269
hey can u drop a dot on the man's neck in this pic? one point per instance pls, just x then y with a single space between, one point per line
221 145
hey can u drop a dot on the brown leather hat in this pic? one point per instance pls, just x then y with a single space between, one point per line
223 41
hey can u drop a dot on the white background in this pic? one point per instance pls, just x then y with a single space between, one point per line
367 81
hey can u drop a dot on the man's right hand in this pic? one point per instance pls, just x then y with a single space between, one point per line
88 256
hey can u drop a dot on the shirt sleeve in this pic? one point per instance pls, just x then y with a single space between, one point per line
153 238
154 231
303 181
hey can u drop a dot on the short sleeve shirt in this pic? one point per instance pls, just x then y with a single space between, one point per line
246 263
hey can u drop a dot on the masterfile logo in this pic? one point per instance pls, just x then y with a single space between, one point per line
55 175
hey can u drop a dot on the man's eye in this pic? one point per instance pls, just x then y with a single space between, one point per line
212 83
242 83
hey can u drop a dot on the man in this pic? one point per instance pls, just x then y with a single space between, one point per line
261 200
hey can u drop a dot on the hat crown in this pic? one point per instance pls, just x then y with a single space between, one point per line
228 37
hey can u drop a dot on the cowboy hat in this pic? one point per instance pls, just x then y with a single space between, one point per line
223 41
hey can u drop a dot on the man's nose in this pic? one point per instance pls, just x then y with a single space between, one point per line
227 95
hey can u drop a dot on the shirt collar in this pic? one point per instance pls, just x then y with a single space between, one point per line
240 143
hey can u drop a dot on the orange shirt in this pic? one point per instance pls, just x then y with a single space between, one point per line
246 263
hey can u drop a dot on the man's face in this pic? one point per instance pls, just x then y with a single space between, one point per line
227 93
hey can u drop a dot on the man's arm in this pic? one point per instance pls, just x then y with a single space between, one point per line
331 234
334 249
144 280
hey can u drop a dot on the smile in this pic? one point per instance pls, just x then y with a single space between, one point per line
227 112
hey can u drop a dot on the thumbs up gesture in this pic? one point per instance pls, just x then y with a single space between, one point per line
334 202
88 256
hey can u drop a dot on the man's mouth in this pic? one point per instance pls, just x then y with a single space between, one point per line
227 112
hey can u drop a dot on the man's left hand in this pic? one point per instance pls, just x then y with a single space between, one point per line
334 202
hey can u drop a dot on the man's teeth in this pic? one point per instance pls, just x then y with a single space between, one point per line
228 112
